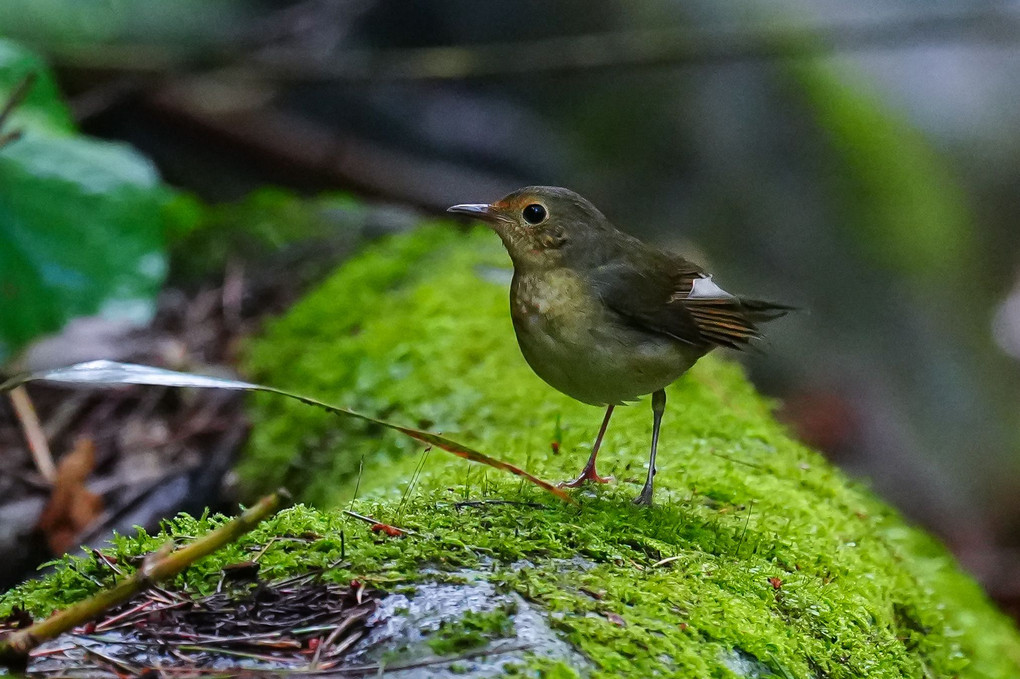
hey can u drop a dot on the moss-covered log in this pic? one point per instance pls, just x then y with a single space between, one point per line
759 560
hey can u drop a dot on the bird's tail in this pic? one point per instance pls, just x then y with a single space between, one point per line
732 321
760 311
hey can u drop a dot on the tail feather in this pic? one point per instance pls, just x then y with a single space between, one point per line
732 321
760 311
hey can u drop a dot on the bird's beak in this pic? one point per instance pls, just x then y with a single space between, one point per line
477 210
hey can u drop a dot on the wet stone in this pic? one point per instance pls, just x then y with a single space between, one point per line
406 631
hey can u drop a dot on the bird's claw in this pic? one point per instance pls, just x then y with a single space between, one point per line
644 499
586 475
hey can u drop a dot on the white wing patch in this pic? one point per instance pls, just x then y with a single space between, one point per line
705 288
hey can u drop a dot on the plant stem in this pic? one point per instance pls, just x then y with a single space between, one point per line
157 567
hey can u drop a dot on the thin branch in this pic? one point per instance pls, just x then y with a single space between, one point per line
564 55
34 436
379 525
14 649
640 49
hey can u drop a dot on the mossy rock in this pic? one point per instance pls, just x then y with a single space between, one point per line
760 559
771 552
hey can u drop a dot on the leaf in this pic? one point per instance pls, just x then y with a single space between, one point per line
81 227
72 507
113 372
42 107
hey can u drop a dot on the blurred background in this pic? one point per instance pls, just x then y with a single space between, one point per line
859 160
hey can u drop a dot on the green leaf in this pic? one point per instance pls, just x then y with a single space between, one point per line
81 227
42 108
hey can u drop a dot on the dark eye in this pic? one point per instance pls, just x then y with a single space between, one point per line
534 213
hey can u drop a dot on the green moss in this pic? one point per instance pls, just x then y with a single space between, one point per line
415 331
759 553
558 671
471 631
266 224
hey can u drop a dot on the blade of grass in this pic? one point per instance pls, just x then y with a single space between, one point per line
114 372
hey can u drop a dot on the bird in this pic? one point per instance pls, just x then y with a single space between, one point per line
604 317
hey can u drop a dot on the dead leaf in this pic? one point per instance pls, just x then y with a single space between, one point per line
245 570
72 507
616 619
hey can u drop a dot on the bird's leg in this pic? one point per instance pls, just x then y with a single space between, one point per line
589 473
658 407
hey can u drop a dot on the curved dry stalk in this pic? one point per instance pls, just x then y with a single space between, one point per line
115 372
34 435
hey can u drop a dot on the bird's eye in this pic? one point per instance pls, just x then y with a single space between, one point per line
534 213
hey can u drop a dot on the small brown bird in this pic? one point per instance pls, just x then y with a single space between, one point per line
602 316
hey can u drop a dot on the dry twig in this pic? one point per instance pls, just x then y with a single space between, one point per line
34 435
156 567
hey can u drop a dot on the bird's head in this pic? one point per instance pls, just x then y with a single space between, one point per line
542 226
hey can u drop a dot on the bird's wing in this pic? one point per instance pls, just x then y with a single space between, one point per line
668 295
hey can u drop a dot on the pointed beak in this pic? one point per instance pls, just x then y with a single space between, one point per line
477 210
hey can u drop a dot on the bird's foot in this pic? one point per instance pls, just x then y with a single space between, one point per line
645 497
589 474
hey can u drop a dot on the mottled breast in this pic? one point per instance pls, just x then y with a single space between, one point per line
574 343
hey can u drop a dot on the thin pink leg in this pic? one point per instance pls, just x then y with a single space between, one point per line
589 473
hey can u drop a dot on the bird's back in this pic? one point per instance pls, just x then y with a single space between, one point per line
661 292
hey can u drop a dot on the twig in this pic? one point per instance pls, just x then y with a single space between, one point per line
262 552
361 517
564 55
316 149
108 624
414 479
750 508
119 664
345 625
199 648
668 559
374 523
736 461
344 645
188 669
357 481
621 51
33 431
15 648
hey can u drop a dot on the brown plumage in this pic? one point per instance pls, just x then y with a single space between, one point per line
602 316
